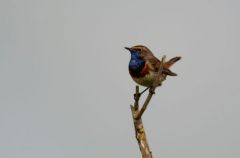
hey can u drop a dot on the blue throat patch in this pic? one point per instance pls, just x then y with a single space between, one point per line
136 62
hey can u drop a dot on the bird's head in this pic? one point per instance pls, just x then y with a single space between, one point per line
139 50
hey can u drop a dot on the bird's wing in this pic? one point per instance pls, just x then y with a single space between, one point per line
155 66
154 63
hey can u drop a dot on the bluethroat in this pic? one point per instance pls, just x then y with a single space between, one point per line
144 66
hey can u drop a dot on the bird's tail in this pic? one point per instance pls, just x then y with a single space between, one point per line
168 64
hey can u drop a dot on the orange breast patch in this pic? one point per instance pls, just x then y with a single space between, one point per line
145 70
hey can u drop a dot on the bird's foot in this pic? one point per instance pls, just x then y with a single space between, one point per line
151 90
137 96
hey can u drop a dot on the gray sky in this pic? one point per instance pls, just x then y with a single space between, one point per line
65 90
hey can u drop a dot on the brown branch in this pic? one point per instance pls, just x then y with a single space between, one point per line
141 135
138 124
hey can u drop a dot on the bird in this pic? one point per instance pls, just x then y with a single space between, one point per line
144 66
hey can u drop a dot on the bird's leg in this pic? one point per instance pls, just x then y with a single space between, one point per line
144 90
137 95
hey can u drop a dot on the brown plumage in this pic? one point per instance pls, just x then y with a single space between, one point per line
144 66
155 62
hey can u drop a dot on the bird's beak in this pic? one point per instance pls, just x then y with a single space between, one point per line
128 49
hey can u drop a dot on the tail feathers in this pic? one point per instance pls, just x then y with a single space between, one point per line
172 61
169 72
168 64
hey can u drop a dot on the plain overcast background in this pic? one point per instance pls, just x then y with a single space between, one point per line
65 90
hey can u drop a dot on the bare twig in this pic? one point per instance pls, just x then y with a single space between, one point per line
144 107
141 136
